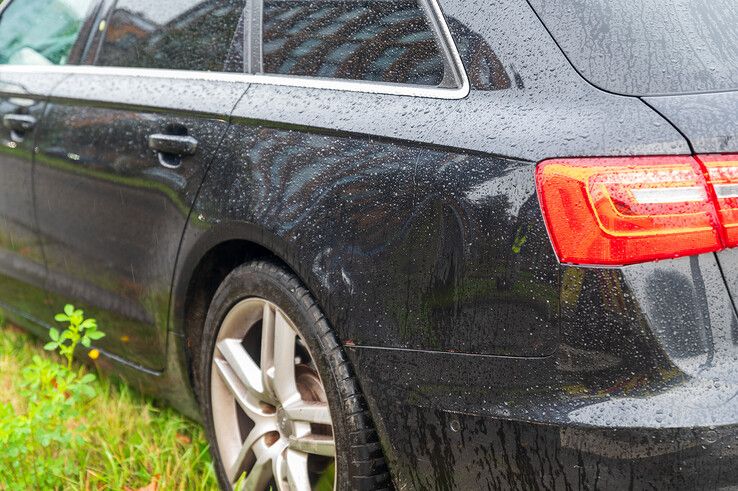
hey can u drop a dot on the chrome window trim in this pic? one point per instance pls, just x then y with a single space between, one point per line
370 87
454 67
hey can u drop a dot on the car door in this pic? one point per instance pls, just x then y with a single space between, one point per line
122 151
32 33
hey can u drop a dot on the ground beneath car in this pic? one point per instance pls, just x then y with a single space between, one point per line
131 444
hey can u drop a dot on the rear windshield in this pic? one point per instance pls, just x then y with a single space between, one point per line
648 47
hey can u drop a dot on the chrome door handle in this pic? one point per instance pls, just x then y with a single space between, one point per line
171 148
173 144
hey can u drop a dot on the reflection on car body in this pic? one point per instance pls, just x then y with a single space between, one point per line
302 221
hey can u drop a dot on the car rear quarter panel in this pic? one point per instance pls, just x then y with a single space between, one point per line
404 246
414 220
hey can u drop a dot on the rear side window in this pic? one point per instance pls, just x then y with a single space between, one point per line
40 32
173 34
373 40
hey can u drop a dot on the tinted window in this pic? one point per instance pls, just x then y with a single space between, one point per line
40 32
648 46
175 34
360 40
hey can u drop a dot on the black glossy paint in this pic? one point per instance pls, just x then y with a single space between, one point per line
113 246
396 240
709 121
640 391
648 47
415 224
22 263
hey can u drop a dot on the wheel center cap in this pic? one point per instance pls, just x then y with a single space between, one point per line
283 422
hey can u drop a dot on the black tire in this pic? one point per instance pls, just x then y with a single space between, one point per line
360 462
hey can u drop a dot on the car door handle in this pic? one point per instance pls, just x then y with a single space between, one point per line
171 148
173 144
19 123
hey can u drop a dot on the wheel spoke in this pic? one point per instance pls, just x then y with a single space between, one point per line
244 367
297 471
284 360
312 412
261 429
279 471
261 473
245 398
314 444
267 345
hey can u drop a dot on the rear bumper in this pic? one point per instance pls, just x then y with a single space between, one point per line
502 454
642 391
491 428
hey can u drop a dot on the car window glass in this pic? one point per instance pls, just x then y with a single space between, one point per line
40 32
372 40
174 34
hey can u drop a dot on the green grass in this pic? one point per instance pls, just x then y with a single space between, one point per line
132 443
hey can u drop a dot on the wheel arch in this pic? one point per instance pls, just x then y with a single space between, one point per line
206 258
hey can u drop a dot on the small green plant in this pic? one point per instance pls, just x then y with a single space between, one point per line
79 330
35 436
126 441
51 415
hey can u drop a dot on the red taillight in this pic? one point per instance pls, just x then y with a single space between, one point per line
624 210
722 172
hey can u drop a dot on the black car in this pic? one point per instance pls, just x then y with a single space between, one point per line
418 244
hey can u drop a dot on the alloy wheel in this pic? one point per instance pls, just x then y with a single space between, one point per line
272 421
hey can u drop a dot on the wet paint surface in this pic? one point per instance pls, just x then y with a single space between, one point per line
110 216
414 223
639 393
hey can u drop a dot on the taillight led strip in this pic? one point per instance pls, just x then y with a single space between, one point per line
625 210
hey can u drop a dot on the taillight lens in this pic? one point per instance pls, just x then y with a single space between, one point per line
722 172
616 211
